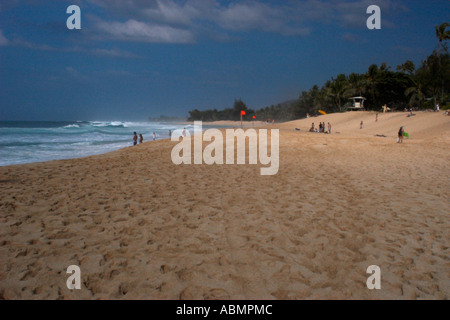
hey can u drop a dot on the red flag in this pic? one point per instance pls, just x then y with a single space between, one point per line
242 113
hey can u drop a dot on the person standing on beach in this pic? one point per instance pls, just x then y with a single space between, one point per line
329 128
361 125
170 133
154 136
400 135
134 138
141 138
184 132
376 118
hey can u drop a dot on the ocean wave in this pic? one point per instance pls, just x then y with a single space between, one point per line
115 124
25 142
72 126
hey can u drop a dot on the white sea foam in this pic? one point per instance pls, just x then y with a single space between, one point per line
27 142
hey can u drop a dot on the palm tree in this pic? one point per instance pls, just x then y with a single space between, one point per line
371 83
442 34
416 93
408 67
338 90
357 84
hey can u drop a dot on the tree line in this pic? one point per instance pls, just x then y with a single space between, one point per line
407 86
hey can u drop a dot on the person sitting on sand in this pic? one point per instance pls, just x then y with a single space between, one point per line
141 138
312 128
134 138
400 135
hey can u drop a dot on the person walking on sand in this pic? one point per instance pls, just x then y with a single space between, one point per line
141 138
361 125
376 117
400 135
134 138
329 128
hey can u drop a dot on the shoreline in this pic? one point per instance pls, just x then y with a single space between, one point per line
302 124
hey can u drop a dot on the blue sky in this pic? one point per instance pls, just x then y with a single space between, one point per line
136 59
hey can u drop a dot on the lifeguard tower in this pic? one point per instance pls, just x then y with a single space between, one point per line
358 104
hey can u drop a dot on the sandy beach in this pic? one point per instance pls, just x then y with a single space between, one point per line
140 227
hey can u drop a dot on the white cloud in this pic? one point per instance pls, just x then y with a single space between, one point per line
180 21
172 13
115 53
259 16
133 30
71 70
349 37
3 40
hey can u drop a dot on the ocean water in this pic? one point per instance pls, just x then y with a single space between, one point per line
32 141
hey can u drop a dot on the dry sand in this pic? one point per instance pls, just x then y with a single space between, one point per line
140 227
